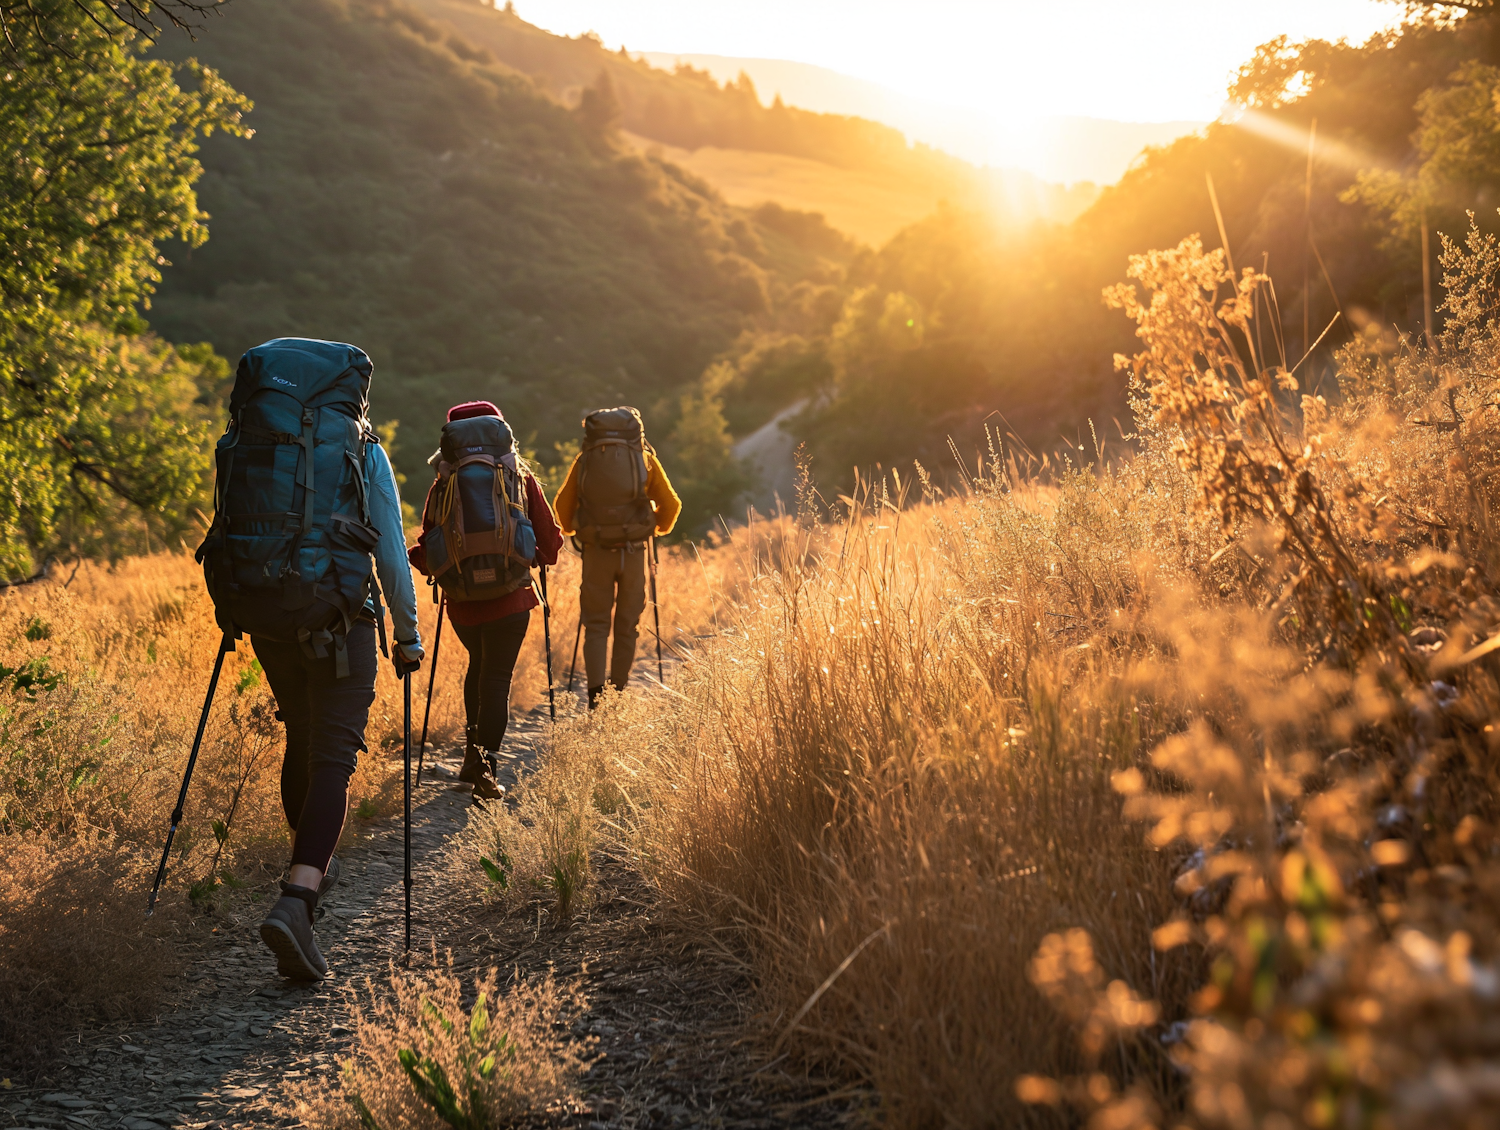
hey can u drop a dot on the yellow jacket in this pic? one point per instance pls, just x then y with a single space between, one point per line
659 490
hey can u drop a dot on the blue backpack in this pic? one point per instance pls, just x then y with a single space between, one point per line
288 554
480 542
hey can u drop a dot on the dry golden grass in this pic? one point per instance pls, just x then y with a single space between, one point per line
864 205
1159 796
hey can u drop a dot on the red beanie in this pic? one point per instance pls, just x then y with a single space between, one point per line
472 408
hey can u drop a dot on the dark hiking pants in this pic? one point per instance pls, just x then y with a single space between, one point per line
493 648
325 730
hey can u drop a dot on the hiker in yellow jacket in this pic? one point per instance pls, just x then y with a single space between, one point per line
615 498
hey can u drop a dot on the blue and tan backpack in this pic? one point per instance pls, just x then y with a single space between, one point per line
481 543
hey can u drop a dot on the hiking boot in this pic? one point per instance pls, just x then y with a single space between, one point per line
486 787
288 933
594 693
473 766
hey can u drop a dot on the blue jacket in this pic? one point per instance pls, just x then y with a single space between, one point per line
390 552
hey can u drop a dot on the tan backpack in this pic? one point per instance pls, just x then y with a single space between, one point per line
613 507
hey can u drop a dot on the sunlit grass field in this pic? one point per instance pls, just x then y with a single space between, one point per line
862 204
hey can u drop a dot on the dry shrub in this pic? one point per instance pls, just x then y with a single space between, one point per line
1339 798
423 1058
75 949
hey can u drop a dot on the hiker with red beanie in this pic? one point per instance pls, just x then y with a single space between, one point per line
485 524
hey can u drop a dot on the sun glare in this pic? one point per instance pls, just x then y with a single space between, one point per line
1013 63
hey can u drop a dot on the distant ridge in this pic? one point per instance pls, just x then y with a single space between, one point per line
1064 149
688 110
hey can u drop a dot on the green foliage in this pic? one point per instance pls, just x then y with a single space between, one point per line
38 629
32 677
704 470
249 677
570 874
479 1055
598 110
498 873
98 167
1458 147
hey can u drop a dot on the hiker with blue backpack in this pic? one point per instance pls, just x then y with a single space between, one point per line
485 524
304 498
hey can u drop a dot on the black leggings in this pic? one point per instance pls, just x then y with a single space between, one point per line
325 730
493 648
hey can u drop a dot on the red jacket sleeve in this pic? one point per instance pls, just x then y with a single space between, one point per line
417 554
549 537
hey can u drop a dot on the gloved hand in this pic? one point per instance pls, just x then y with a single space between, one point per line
406 658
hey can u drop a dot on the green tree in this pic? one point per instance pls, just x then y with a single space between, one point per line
598 109
699 456
96 167
1457 166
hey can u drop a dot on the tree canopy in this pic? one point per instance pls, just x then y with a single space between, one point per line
97 167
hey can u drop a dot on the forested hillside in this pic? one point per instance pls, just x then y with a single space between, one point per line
472 234
958 323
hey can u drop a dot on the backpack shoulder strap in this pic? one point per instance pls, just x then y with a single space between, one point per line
309 421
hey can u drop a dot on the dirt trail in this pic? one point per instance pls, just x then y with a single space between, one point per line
667 1018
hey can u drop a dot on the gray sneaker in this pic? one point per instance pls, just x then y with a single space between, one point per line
288 933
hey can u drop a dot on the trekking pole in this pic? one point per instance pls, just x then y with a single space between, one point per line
547 637
573 666
437 644
656 613
406 681
225 647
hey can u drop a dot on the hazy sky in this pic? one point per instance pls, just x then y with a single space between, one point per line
1148 60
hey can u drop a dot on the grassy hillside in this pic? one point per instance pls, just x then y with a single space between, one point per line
867 206
688 109
466 230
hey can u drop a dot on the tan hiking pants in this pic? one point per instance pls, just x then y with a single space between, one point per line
607 572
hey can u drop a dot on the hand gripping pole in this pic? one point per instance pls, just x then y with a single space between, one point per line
225 647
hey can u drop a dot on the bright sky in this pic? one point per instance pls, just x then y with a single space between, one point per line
1150 60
